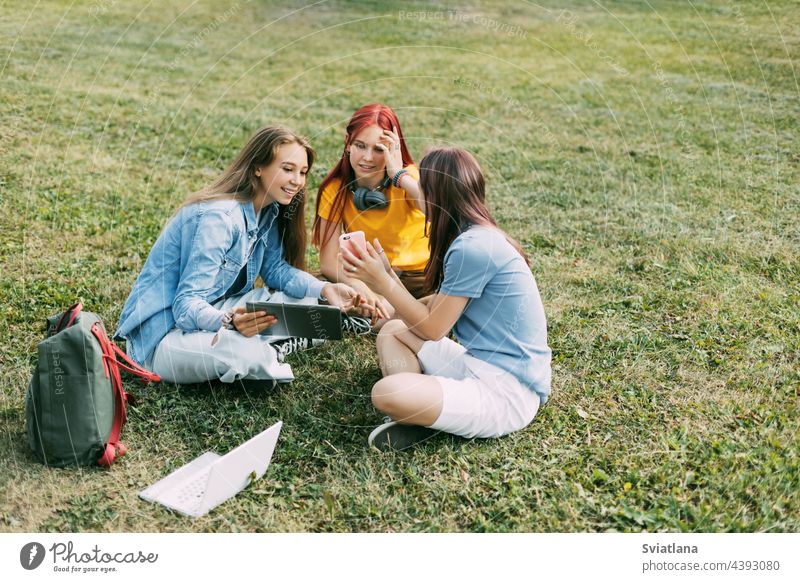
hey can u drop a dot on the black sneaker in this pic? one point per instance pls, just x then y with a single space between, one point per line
356 325
393 436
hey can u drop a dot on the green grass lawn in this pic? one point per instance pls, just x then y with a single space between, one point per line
645 153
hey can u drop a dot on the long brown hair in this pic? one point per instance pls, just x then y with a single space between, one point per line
455 197
372 114
239 182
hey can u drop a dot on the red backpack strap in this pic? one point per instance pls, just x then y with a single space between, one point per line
134 368
112 371
114 448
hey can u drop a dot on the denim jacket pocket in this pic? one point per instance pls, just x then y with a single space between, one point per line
231 262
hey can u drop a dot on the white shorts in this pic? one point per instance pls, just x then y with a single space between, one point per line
478 398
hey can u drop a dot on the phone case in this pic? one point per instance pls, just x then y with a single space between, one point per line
349 239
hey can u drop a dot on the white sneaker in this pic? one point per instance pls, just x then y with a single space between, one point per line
356 325
291 345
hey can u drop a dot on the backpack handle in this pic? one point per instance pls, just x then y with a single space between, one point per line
74 310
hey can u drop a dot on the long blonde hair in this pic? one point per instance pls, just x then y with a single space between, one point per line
239 182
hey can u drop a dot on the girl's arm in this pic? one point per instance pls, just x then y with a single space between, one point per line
331 269
431 319
410 184
211 240
390 144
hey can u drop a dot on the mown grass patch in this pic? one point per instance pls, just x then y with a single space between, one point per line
645 154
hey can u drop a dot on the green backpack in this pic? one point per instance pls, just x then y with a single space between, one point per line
75 404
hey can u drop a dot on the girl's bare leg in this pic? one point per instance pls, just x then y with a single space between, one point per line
405 394
397 349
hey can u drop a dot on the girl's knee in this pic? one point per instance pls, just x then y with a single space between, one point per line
395 331
387 394
408 397
392 328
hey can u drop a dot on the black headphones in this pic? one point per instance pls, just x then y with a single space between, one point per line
367 198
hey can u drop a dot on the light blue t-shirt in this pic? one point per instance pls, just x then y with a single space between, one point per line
504 322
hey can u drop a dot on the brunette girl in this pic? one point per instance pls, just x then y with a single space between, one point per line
493 381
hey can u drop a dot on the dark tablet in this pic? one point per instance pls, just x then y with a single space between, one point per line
297 320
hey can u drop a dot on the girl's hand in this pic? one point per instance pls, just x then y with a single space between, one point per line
250 323
368 267
370 305
384 259
389 142
384 309
342 296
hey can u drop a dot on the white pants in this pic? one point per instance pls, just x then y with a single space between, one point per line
198 356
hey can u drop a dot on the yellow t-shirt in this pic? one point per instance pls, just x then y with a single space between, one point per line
400 226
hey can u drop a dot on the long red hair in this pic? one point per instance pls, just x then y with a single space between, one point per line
372 114
455 196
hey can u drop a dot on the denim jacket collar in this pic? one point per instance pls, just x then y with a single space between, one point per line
264 219
250 218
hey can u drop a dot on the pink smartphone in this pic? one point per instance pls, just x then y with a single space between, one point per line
350 240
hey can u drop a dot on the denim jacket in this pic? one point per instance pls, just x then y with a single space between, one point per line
195 260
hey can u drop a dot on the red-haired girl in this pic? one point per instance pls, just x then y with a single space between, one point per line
493 381
374 188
